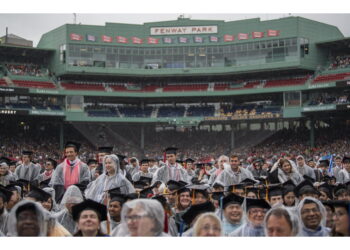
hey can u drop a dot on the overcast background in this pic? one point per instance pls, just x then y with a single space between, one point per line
32 26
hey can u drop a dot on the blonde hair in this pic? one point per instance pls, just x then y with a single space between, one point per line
199 222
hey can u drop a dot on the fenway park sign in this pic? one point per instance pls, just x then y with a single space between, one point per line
157 31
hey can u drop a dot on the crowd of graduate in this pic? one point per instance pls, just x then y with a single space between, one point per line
115 195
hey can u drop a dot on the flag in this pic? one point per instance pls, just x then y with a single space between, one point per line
273 32
330 169
152 40
243 36
136 40
75 37
214 39
256 34
122 39
107 39
91 38
228 38
182 39
167 40
198 39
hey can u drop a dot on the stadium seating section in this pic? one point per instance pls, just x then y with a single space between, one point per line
34 84
82 86
331 77
3 82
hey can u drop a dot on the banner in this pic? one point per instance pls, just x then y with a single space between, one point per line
273 32
75 37
183 39
136 40
243 36
229 38
151 40
213 39
91 38
198 39
121 39
256 34
107 39
167 40
184 30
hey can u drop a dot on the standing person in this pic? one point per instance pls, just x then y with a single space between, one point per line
27 170
232 213
337 166
50 166
153 165
190 167
71 171
256 210
222 160
234 173
143 172
5 174
111 178
312 164
312 216
304 169
171 170
281 222
344 174
88 215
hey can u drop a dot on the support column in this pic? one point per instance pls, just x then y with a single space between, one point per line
61 136
142 137
232 146
312 132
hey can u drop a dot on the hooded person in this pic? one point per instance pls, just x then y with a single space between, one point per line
303 168
221 161
54 206
286 171
232 213
71 197
133 167
5 196
27 218
6 176
111 177
312 216
233 173
256 210
281 221
142 217
208 225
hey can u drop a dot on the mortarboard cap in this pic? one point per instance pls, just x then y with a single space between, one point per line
147 180
275 191
174 185
339 188
81 187
189 160
171 150
5 194
38 194
44 183
146 193
328 204
27 152
346 159
73 144
341 203
306 177
140 184
261 203
114 191
199 188
218 185
217 195
105 149
195 210
91 161
248 181
231 188
305 187
144 161
324 163
100 209
326 188
182 190
161 199
5 160
121 157
131 196
118 197
232 199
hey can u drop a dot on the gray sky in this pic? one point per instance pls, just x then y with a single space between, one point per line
32 26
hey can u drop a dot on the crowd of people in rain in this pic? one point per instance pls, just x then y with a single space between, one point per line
117 195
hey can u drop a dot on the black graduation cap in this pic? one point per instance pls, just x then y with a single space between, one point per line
105 149
171 150
326 188
183 183
5 160
342 203
199 164
81 187
189 160
12 163
156 184
91 161
324 163
328 204
180 161
14 186
146 193
27 152
73 144
288 183
275 191
38 194
44 183
144 161
88 204
118 197
231 188
306 177
203 189
161 199
146 180
53 162
305 187
261 203
174 185
217 195
346 159
338 188
255 190
121 157
140 184
5 194
182 190
218 185
232 199
114 191
196 210
248 181
288 186
131 196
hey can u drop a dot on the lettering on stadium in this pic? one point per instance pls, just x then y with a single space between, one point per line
184 30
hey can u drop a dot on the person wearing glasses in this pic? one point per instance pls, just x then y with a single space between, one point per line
50 166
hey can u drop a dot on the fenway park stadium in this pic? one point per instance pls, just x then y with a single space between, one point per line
207 87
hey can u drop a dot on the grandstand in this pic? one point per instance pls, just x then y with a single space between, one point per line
238 83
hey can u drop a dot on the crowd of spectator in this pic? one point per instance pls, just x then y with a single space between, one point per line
340 62
326 98
28 69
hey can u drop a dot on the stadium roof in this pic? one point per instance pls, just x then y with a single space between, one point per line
14 47
343 43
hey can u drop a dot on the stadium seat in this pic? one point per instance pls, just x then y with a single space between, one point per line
34 84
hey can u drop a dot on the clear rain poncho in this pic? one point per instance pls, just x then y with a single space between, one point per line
142 217
41 215
292 215
51 191
73 195
322 229
96 190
